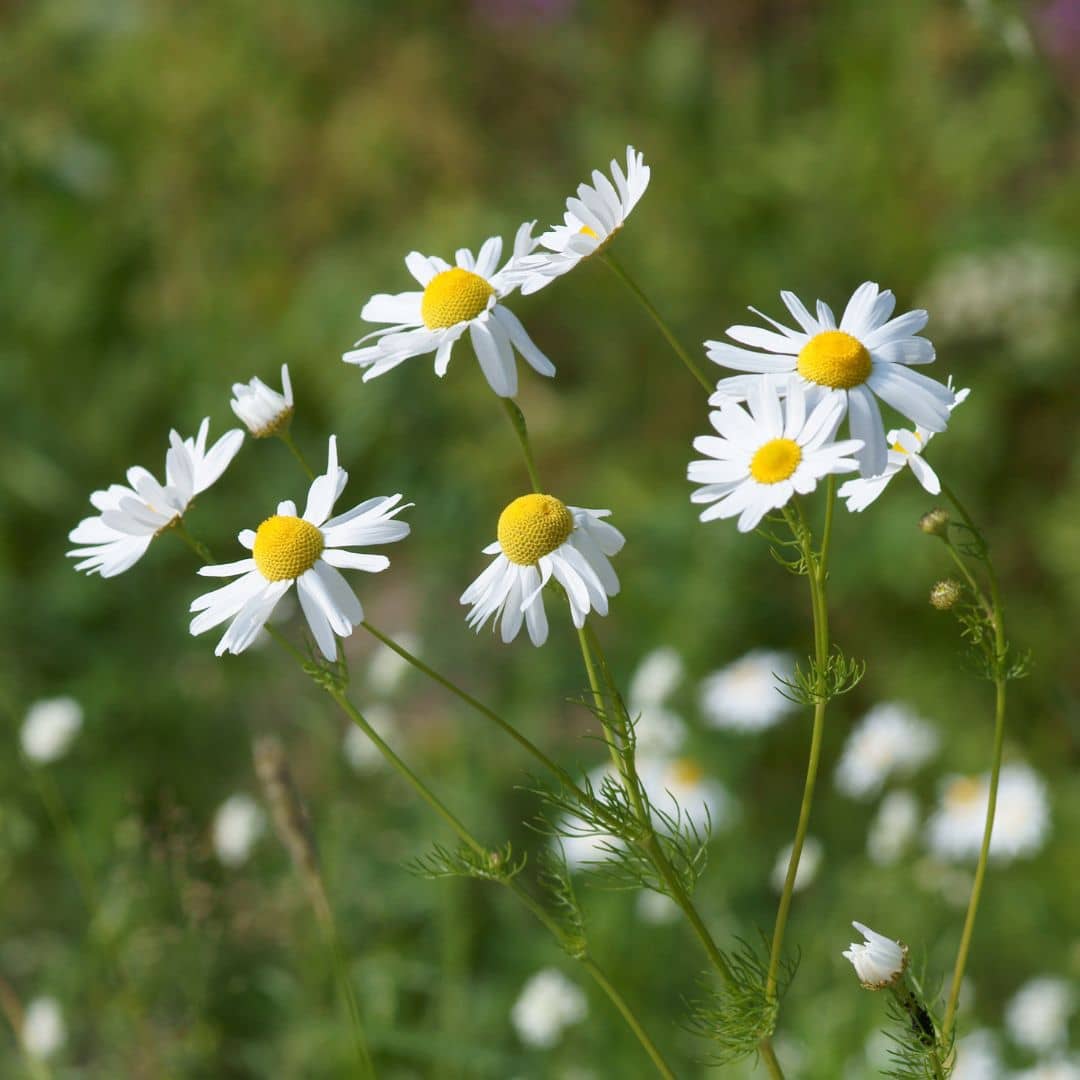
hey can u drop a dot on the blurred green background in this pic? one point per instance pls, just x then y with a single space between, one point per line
194 194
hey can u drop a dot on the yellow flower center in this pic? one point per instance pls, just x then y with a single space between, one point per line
687 772
833 358
454 296
775 461
963 791
533 526
286 547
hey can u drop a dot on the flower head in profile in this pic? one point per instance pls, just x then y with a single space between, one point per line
866 357
263 410
590 223
760 458
878 961
453 300
132 516
905 450
747 695
540 538
307 550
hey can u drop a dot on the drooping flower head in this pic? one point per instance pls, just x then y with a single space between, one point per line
590 223
454 299
263 410
132 516
866 357
540 537
306 550
905 449
878 961
761 457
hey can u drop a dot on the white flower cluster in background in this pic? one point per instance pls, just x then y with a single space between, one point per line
50 728
548 1004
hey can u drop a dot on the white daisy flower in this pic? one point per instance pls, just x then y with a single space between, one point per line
49 728
868 356
454 299
762 457
264 411
1037 1016
306 550
893 828
746 695
891 738
238 824
977 1057
1021 818
589 224
905 448
878 960
132 516
809 864
43 1029
540 537
548 1003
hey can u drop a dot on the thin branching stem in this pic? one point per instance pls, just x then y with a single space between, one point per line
999 669
817 575
692 365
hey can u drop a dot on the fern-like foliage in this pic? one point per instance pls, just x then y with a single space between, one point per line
918 1051
817 684
554 879
498 864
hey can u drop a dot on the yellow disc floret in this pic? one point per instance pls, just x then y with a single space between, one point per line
833 358
286 547
533 526
963 791
687 772
776 460
453 296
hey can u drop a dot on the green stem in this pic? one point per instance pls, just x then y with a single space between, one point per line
997 617
622 756
691 364
285 435
817 575
517 421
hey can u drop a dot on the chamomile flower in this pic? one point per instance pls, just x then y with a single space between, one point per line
131 517
49 728
905 448
263 410
238 824
540 537
453 300
306 550
680 789
747 694
589 224
760 458
878 960
866 357
890 738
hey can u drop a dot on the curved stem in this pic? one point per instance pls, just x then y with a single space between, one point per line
691 364
285 435
817 575
997 618
521 430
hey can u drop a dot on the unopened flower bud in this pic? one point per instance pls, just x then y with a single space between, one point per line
878 961
935 522
945 594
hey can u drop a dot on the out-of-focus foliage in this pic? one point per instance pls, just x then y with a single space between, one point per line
193 194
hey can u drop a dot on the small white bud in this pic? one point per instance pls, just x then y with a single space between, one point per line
264 411
878 961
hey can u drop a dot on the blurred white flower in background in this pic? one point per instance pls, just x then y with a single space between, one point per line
809 864
1021 820
1022 294
1049 1070
658 730
745 695
1037 1016
977 1057
679 787
386 668
548 1003
360 752
893 828
50 728
891 738
238 824
656 909
43 1029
